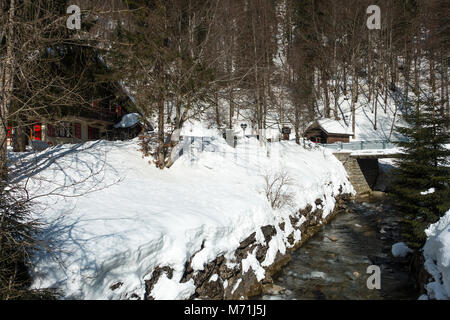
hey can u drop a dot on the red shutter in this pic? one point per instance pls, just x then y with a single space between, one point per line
37 132
77 130
50 130
91 133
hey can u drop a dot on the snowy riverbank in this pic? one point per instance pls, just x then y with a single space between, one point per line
437 258
124 221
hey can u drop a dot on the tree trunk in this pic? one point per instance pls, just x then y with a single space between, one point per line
375 110
297 125
20 138
345 78
354 95
174 142
6 90
216 104
325 92
230 124
407 73
257 87
161 154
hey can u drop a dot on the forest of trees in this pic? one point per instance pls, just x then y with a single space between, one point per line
284 61
271 61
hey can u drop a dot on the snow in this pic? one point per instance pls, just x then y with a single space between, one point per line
236 286
388 116
276 245
377 152
252 263
128 120
437 258
429 191
214 278
195 128
333 126
166 289
124 217
400 250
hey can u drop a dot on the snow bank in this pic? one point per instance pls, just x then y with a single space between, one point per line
124 218
198 129
429 191
437 258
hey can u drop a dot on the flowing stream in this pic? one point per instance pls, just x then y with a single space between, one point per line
333 264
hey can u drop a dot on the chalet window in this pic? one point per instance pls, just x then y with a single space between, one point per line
65 130
61 130
94 133
77 127
50 130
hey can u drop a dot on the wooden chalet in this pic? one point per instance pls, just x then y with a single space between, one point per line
84 122
327 131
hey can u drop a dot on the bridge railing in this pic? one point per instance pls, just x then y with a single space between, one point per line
361 145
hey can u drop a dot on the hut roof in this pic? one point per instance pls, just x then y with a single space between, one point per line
332 127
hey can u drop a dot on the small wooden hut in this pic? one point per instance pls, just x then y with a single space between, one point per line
328 131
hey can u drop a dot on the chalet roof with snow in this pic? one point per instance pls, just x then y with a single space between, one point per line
332 127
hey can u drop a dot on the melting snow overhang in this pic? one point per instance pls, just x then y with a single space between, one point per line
128 121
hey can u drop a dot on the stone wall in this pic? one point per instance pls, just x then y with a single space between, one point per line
362 173
232 283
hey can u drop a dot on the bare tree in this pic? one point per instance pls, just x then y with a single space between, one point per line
276 188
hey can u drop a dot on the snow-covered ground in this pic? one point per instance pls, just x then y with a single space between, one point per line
365 120
368 126
437 258
123 217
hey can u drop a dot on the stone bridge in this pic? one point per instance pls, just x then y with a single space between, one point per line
362 167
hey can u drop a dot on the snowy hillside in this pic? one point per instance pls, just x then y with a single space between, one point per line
437 258
133 217
368 126
365 119
371 124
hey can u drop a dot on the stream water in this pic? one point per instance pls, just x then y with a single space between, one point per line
333 264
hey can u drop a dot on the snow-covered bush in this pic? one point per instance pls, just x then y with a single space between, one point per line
437 258
276 187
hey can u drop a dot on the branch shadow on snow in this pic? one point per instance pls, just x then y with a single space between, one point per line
51 178
25 165
83 169
64 239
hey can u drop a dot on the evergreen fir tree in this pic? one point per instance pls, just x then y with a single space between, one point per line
421 182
